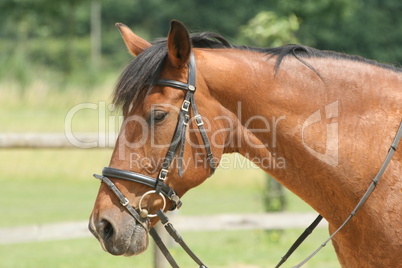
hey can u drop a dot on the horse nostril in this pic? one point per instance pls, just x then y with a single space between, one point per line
106 230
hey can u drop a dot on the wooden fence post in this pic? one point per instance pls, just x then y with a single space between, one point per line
159 259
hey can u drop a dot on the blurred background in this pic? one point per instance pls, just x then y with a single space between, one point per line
55 55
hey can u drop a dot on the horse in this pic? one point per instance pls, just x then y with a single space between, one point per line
330 116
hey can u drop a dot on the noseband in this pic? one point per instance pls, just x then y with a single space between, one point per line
159 186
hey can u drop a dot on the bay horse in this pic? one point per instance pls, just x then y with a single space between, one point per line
335 117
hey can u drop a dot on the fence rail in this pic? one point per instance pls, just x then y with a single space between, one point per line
46 140
222 222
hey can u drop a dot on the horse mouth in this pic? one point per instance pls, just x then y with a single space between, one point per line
131 240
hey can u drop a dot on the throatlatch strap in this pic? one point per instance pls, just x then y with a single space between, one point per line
207 145
181 151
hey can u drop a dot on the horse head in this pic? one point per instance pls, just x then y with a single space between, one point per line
162 133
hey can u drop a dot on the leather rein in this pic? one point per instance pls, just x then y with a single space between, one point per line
166 192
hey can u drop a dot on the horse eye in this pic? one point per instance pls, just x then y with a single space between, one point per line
158 116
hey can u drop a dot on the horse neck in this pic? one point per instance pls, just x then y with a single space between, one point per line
290 114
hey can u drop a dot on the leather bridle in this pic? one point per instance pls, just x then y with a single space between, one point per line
158 184
178 141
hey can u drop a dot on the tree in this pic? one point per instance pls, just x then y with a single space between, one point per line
267 29
56 34
369 28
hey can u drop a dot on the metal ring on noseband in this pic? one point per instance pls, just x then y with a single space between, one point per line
142 210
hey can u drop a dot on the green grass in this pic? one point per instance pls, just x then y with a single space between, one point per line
43 107
41 186
217 249
46 185
78 253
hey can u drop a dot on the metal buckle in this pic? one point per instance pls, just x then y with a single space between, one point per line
191 88
198 120
185 106
125 203
176 200
186 119
163 174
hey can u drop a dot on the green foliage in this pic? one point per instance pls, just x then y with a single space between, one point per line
55 35
274 195
267 29
369 28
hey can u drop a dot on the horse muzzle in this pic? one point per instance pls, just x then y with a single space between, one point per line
118 233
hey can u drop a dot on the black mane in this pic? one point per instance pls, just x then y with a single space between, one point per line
144 69
138 77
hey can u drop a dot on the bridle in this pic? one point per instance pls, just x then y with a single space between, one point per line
159 186
177 144
162 189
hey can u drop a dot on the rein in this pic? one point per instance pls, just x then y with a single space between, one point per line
166 192
370 189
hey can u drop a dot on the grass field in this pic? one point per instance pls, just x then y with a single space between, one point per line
43 186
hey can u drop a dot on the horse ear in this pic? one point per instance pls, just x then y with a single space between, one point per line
134 43
179 44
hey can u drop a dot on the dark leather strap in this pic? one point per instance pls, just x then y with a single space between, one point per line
172 83
165 251
123 200
179 132
207 145
177 237
300 240
181 151
143 179
391 151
